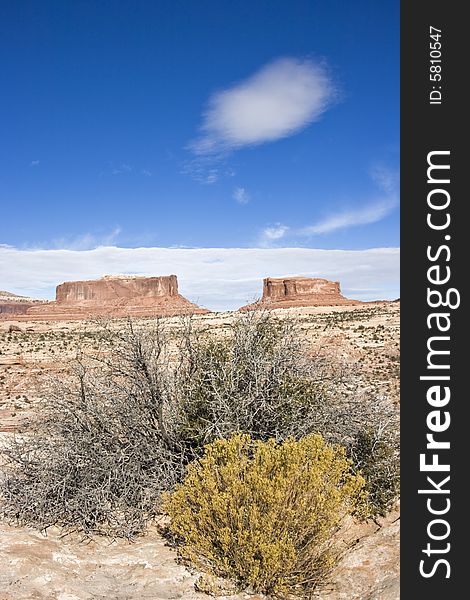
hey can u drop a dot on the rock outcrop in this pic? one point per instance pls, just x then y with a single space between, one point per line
289 292
116 296
54 566
11 304
370 570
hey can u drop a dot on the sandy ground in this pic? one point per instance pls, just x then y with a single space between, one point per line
33 566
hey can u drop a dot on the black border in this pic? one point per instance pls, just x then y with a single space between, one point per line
426 128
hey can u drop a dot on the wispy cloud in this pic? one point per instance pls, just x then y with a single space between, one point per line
207 169
85 241
124 168
386 179
277 101
34 163
219 278
372 211
202 170
241 195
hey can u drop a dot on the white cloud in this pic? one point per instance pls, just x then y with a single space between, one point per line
146 172
34 163
241 195
387 181
364 215
219 278
276 232
277 101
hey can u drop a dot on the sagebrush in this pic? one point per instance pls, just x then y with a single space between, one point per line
263 514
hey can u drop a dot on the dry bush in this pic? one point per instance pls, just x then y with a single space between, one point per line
105 445
98 455
263 381
263 514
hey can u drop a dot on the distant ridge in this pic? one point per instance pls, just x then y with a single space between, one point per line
12 304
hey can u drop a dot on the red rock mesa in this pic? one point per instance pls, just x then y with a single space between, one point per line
11 304
115 296
287 292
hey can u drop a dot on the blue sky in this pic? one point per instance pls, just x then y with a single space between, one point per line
209 124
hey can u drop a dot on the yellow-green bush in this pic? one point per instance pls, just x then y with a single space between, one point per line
263 514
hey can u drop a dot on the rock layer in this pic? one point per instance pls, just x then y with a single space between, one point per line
11 304
289 292
110 289
116 296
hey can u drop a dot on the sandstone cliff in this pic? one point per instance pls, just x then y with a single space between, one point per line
300 291
11 304
116 296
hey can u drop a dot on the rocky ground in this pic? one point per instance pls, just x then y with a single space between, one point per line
50 567
53 567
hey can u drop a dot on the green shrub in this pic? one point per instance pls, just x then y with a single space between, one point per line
375 453
260 379
263 514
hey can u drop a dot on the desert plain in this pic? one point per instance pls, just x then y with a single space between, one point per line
46 565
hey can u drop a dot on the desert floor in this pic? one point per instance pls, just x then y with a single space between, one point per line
34 565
